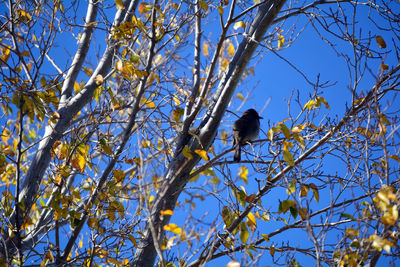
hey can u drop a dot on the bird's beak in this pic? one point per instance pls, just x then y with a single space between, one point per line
260 117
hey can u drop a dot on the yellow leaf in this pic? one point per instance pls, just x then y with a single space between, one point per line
176 100
78 162
281 41
243 172
119 66
202 154
309 105
231 49
251 218
390 217
173 228
297 129
81 243
76 87
239 24
119 4
205 49
220 10
266 237
187 153
380 41
240 96
49 256
87 71
151 198
5 54
99 79
144 7
150 104
146 144
5 135
166 212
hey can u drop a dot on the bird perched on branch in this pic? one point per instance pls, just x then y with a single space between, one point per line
245 129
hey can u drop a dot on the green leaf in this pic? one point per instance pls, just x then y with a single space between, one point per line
294 211
266 237
285 130
203 5
285 205
187 153
346 215
244 233
288 157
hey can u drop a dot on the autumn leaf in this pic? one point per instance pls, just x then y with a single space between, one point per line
239 24
203 5
230 49
243 233
281 41
240 96
205 49
381 42
173 228
202 153
243 172
99 79
166 212
288 157
144 7
187 153
119 4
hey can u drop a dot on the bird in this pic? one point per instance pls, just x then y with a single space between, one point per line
245 129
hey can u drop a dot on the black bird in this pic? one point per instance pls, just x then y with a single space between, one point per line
245 129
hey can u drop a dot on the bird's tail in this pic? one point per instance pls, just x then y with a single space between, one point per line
236 157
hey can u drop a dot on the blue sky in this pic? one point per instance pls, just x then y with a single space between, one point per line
273 82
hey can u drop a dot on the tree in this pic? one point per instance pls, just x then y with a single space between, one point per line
101 153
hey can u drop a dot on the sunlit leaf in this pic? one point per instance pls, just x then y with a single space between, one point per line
281 41
187 153
173 228
205 49
202 153
99 79
240 96
233 264
5 54
203 5
166 212
243 173
239 24
285 130
288 157
251 221
243 233
266 237
87 71
230 49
